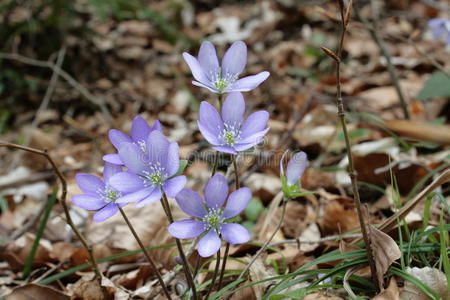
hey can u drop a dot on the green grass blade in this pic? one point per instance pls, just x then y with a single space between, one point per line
48 208
417 282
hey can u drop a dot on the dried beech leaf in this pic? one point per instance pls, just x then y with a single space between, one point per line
35 291
385 251
432 277
391 293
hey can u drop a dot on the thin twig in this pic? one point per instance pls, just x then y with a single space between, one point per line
318 241
351 169
266 244
62 201
146 254
75 84
372 29
186 268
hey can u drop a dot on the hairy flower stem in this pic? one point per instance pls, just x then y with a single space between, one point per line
214 277
227 246
62 201
216 157
187 271
351 169
266 244
147 255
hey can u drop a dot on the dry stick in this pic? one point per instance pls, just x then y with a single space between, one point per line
391 69
187 271
62 201
266 244
345 17
75 84
147 255
214 277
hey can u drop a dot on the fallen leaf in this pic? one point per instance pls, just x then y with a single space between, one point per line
432 277
339 212
35 291
391 293
385 251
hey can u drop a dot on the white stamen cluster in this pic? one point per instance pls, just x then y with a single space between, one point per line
213 219
109 195
230 134
222 81
142 145
155 176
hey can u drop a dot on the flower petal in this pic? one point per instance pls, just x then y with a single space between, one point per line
255 122
233 109
207 57
255 138
186 229
282 162
172 160
216 191
235 59
153 197
295 168
248 83
126 182
113 158
243 147
211 89
136 196
88 202
117 137
157 145
235 233
139 129
236 203
191 203
109 170
210 122
156 126
89 184
133 157
195 67
105 213
174 185
209 244
225 149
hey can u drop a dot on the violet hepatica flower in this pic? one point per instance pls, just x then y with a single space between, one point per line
99 195
295 168
440 27
224 78
229 132
149 173
139 134
212 216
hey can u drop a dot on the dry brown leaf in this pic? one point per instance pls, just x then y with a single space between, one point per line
36 291
432 277
439 134
385 251
337 214
258 271
391 293
322 296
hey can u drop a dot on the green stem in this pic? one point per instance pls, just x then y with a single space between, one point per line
147 255
187 271
222 271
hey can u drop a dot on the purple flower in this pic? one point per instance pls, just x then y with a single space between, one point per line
295 168
440 27
99 195
139 134
223 79
150 172
229 132
212 217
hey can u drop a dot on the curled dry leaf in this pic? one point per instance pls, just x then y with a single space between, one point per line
337 213
391 293
258 271
432 277
385 251
36 291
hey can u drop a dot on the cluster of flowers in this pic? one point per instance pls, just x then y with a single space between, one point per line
147 165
